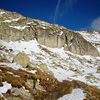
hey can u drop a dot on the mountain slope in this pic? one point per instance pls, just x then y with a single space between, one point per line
15 27
42 61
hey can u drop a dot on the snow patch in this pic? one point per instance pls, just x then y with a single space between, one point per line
6 86
32 71
92 37
11 65
77 94
59 51
19 27
22 46
12 20
61 33
61 74
43 27
1 13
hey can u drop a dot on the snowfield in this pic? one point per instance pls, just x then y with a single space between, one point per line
93 38
6 86
63 64
22 46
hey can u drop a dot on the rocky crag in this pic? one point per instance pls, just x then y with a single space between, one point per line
42 61
15 27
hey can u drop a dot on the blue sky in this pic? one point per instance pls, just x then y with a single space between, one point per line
73 14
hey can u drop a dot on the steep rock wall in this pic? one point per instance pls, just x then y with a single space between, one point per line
14 27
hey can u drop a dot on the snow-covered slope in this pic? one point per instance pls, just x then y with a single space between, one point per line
77 94
93 37
63 64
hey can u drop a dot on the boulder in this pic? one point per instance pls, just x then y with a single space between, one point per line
22 59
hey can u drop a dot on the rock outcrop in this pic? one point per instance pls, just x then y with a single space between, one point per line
22 59
78 45
15 27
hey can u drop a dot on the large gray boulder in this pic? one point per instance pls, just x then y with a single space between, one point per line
22 59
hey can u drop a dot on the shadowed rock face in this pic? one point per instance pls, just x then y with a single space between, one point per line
15 27
78 45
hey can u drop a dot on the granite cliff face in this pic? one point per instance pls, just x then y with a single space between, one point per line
42 61
15 27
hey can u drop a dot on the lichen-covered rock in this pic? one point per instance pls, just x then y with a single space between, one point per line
3 58
43 67
30 83
22 59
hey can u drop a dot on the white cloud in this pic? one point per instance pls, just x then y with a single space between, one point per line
96 24
63 7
